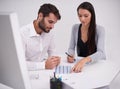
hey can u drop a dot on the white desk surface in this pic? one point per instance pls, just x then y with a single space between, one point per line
92 76
2 86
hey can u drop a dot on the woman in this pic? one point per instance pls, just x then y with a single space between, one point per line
87 38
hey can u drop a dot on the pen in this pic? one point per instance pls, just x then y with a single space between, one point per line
69 55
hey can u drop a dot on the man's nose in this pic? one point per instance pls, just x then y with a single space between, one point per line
52 26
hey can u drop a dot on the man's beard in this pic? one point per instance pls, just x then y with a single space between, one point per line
41 25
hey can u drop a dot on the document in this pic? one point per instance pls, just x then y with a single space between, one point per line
63 69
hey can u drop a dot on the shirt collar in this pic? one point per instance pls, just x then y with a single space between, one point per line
33 31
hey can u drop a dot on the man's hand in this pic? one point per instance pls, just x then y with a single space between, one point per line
52 62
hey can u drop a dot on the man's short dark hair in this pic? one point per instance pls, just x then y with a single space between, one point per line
45 9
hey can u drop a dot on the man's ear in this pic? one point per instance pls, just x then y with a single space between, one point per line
40 16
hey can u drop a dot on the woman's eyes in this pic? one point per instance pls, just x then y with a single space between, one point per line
83 16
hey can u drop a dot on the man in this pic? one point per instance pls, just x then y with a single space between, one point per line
38 40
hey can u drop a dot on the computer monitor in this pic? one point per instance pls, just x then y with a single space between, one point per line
13 70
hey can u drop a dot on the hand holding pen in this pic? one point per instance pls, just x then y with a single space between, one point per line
70 58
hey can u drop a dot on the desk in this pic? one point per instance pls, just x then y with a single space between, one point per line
93 75
4 87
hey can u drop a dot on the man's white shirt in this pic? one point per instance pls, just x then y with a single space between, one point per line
36 47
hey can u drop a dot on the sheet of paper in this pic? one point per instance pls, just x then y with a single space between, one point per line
62 69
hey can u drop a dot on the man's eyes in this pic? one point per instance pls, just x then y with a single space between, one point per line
50 21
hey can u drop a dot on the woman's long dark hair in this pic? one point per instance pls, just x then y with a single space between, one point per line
92 28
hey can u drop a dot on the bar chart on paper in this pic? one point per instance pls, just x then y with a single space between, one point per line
62 69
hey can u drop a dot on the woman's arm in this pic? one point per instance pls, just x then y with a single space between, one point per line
100 42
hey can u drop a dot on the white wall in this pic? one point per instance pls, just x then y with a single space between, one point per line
107 15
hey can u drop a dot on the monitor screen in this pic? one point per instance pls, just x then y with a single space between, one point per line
13 70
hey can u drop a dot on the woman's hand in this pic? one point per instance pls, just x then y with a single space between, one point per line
70 59
79 65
